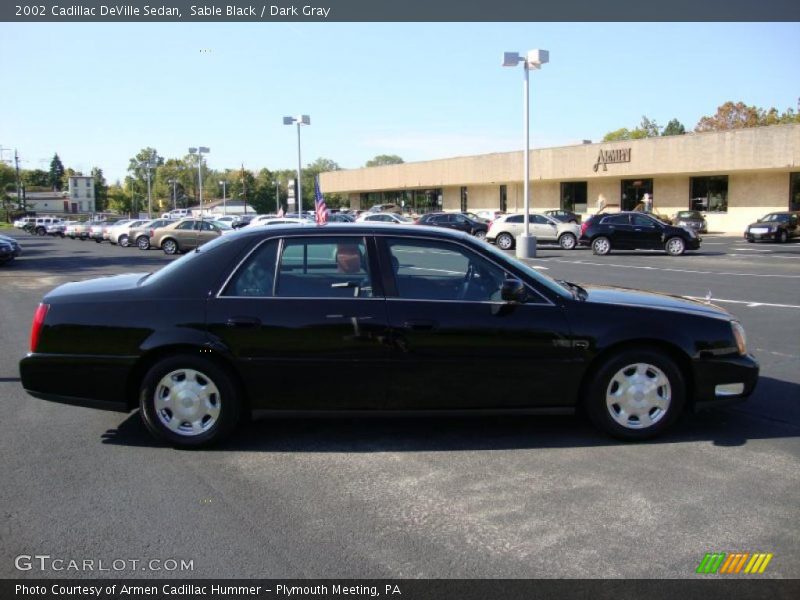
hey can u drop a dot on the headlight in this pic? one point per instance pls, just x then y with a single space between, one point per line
740 337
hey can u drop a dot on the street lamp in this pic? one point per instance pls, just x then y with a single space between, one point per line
224 205
301 120
147 164
200 151
174 183
526 243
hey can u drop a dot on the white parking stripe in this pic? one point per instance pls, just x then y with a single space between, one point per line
597 264
748 303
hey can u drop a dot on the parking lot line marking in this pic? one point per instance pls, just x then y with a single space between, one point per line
749 304
781 354
597 264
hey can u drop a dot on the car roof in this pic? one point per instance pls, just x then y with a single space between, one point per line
361 228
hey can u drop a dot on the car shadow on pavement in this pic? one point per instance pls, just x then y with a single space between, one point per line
733 426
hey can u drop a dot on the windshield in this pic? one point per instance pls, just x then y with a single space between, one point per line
688 214
772 217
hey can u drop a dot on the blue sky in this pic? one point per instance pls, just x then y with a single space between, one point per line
97 93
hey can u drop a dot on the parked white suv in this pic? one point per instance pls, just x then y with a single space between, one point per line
504 230
42 223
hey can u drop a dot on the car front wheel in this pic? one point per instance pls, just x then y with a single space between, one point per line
504 241
783 237
636 394
601 245
123 240
567 241
189 402
675 246
169 246
143 242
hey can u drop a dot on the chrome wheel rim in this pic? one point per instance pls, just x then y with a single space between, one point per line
504 241
601 246
169 247
638 396
675 246
143 243
568 241
481 235
187 402
123 241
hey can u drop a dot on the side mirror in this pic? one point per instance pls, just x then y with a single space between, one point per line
513 290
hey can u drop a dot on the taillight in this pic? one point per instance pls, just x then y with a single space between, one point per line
152 232
584 227
38 321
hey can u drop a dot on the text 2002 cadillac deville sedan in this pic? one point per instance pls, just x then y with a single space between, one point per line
375 318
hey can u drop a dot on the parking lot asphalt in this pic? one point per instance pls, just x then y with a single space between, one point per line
416 497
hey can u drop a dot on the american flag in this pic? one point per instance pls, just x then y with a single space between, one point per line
320 209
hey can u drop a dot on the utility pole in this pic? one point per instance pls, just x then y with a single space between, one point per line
19 187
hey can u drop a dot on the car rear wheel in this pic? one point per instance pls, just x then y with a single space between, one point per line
636 394
123 240
169 246
189 402
601 245
143 242
41 231
481 235
783 237
504 241
567 241
98 240
675 246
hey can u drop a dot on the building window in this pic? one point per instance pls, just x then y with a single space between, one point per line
463 199
709 193
503 198
573 196
794 191
633 191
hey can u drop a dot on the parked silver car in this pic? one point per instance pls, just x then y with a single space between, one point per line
504 230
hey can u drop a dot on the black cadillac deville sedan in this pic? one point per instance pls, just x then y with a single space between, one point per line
375 318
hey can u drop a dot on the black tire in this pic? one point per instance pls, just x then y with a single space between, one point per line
675 246
204 371
504 241
123 240
567 241
98 240
750 240
606 415
170 246
601 245
143 242
480 234
783 237
41 231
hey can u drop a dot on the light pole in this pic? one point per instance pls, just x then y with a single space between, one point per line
174 183
224 204
277 196
147 164
301 120
200 151
526 243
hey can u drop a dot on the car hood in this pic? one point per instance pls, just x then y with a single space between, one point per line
763 224
630 297
113 283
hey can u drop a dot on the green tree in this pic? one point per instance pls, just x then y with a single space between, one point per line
730 116
8 178
100 189
647 128
56 175
35 178
674 127
384 159
617 135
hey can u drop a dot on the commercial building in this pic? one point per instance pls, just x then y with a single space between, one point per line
732 176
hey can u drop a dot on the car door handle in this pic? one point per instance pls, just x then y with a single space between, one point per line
420 325
243 322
